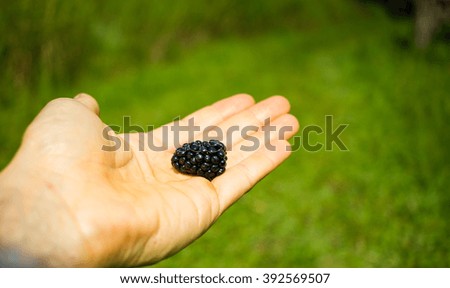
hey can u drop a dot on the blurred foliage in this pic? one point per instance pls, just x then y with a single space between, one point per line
58 39
382 204
397 8
53 44
49 37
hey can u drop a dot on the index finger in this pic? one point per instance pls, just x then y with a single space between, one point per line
207 116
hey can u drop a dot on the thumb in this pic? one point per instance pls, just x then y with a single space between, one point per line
66 126
88 101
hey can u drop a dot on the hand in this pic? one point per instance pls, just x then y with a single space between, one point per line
65 201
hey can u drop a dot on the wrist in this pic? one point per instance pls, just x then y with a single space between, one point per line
36 228
14 214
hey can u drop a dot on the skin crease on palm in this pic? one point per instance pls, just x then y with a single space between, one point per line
67 202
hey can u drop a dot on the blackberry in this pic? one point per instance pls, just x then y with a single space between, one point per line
201 158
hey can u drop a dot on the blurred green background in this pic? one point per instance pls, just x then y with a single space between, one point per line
384 203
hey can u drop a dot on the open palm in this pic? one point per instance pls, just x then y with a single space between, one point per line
129 207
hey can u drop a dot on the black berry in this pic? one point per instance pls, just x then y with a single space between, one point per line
202 158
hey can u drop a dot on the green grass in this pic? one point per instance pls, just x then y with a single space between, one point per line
384 203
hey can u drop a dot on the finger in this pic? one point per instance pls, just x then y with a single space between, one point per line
220 110
177 133
241 177
252 118
68 114
284 127
89 102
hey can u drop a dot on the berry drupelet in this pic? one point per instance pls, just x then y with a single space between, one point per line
201 158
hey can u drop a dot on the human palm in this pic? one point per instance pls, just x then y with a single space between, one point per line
129 207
